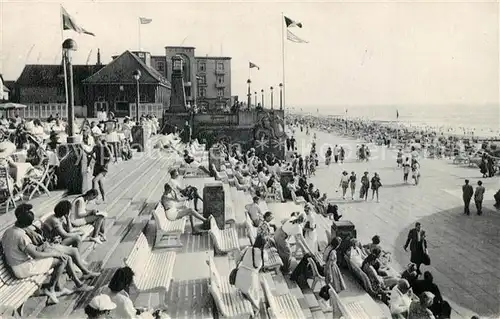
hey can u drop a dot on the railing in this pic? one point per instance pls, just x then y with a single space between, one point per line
44 110
147 109
216 119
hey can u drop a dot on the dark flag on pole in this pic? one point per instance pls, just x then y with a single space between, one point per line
68 23
253 65
291 23
397 114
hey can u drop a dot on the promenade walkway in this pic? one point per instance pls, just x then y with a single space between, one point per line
464 250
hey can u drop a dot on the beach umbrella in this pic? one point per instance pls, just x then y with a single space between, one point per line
11 106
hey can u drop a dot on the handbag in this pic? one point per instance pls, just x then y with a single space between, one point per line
234 272
426 260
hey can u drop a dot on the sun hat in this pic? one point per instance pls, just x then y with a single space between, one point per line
6 149
102 302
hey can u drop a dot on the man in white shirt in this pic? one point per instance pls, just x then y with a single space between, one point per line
336 152
96 131
292 227
400 301
253 210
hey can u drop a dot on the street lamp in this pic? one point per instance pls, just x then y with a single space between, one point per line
249 95
262 98
137 76
272 97
281 96
255 98
67 46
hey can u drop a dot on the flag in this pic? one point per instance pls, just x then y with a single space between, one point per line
253 65
145 20
68 23
397 114
291 23
293 38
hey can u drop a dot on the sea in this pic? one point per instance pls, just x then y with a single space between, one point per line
479 120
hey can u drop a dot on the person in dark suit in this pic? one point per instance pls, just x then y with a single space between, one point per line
413 240
467 192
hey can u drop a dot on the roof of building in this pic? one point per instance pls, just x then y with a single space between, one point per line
53 74
119 71
213 57
178 47
4 87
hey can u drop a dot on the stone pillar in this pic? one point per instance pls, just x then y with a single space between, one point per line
285 178
214 203
139 140
73 174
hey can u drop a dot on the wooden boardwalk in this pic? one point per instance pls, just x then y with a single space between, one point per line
465 250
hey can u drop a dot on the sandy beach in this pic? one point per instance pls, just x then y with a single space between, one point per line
464 249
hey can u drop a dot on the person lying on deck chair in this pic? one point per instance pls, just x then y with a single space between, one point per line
175 208
29 256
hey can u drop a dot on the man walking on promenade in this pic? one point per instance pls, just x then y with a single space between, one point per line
478 197
467 192
412 241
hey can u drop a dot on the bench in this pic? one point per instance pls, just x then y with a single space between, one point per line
273 261
283 306
228 299
338 308
166 229
230 213
361 276
225 240
299 200
151 270
15 292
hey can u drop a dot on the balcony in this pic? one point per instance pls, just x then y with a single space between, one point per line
220 72
202 84
187 84
220 85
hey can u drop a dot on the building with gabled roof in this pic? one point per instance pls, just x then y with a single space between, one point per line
113 88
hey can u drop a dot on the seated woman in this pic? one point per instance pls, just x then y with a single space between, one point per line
381 283
274 185
175 207
356 253
82 216
374 244
117 290
58 227
320 204
420 309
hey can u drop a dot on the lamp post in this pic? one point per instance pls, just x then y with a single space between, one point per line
262 98
272 97
255 98
69 45
281 96
249 95
137 76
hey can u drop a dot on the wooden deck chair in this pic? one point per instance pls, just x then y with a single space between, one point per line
39 183
6 188
317 277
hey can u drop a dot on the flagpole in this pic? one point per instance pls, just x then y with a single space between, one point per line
283 60
63 60
139 31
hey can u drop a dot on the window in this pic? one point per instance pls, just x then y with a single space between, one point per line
202 92
220 79
220 92
220 66
203 79
143 98
160 66
202 66
61 90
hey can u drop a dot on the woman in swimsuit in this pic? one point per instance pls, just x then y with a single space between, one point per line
175 207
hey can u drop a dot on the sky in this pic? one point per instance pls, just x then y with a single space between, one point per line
359 53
